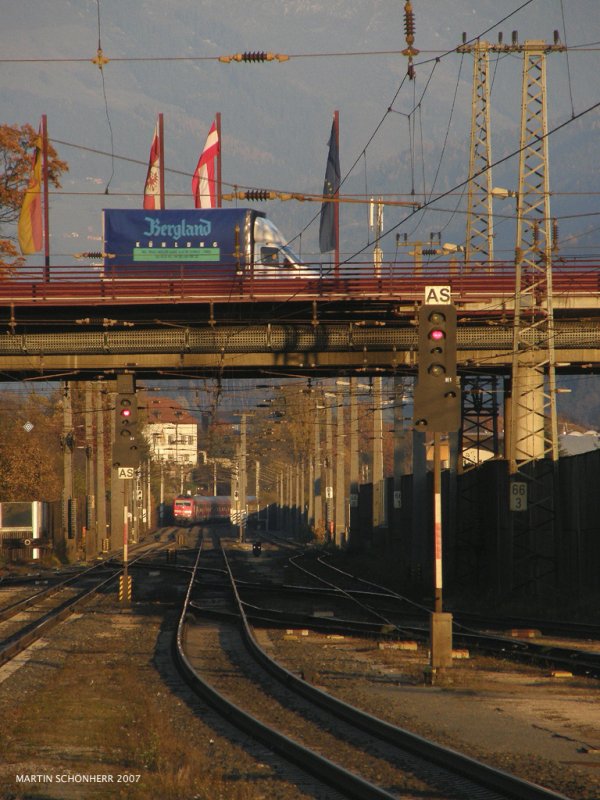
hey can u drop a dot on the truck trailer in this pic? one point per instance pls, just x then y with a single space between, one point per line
219 242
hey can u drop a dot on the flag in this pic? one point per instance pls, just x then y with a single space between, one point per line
203 180
330 189
29 228
152 194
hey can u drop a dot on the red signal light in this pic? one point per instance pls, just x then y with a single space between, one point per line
437 335
125 412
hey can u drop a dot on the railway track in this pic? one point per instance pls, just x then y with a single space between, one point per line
407 618
28 619
356 754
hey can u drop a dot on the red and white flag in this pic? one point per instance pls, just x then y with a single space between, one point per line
152 194
203 180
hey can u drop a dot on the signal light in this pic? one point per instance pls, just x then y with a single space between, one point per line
437 393
126 446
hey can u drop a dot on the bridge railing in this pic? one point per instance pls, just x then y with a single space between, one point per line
394 281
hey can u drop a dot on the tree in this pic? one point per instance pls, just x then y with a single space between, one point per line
30 457
16 147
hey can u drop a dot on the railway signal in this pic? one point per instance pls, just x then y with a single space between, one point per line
437 393
437 409
126 451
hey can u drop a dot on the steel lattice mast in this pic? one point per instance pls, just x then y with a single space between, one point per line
533 429
479 246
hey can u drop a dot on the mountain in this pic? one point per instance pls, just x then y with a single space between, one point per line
277 116
396 136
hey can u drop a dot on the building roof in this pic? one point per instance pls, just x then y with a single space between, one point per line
575 443
165 410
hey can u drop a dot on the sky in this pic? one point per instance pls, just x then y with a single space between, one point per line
398 138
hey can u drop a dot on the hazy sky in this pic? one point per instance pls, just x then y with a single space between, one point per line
397 136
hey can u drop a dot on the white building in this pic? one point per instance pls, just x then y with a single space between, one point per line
171 432
575 442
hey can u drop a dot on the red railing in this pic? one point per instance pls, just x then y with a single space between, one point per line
77 285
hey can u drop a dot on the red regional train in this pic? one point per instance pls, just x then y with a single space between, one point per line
191 509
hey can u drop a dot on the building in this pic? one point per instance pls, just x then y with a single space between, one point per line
575 442
171 432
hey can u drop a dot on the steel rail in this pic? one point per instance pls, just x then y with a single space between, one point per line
6 612
581 661
458 763
311 762
19 641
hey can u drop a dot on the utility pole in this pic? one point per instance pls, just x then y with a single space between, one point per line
340 475
354 464
401 447
280 495
311 491
419 250
318 478
379 505
257 487
91 547
243 488
100 468
328 467
376 225
68 505
297 499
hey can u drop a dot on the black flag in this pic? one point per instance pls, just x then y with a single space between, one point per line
330 189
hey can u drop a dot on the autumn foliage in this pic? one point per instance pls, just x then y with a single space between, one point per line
30 457
16 147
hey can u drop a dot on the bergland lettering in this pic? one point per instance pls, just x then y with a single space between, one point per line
177 231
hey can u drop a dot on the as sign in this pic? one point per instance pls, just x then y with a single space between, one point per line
438 295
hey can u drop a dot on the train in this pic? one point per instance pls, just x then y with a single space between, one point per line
193 509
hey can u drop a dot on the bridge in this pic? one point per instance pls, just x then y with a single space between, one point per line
83 320
74 323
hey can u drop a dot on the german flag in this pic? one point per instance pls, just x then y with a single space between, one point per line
30 219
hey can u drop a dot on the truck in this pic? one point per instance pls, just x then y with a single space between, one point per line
218 242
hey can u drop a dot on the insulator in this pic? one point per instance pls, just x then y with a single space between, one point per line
429 251
555 234
500 37
257 195
515 37
411 71
259 55
409 22
556 37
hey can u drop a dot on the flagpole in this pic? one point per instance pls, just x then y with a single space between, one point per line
161 161
45 191
219 185
336 204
